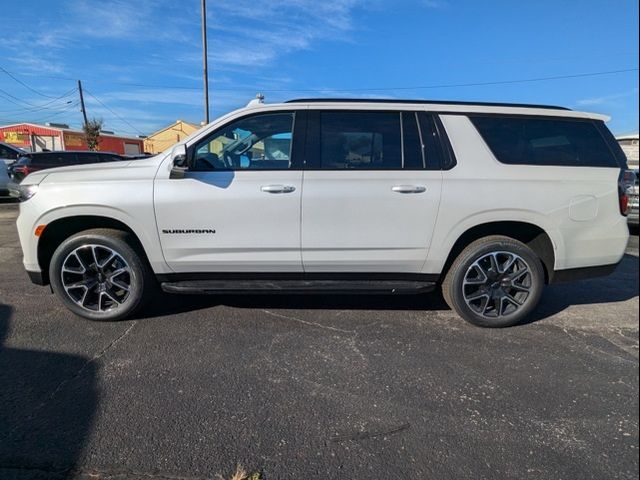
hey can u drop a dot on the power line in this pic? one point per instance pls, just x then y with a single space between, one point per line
377 89
66 111
31 107
10 75
114 113
454 85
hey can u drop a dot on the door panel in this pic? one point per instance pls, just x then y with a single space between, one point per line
238 207
370 196
353 221
255 231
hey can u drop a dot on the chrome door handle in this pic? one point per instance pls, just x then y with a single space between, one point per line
409 188
278 188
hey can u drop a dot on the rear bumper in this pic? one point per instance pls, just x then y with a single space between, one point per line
574 274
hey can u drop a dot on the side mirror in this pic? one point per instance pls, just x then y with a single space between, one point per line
179 161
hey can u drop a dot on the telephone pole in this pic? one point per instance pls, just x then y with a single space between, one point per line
84 111
205 73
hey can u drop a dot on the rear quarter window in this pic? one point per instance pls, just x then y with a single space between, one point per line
108 157
54 159
545 141
84 158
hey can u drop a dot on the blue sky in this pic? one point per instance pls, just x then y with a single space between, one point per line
140 60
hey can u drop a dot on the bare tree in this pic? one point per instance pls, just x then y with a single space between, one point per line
92 130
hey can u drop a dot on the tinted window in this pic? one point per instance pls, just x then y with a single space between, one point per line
412 143
54 159
438 152
85 157
6 152
259 142
109 157
360 140
544 141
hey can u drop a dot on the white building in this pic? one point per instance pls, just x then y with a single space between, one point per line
629 144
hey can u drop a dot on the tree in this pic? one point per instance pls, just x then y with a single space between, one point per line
92 132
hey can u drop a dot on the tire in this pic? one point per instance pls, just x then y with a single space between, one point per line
488 297
105 278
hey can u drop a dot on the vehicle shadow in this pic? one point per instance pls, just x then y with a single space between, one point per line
48 401
169 304
620 286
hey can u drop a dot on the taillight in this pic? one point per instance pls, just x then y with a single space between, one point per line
22 169
626 181
624 204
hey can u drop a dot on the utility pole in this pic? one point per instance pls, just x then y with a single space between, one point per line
205 73
84 111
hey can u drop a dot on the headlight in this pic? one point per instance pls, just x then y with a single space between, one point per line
22 192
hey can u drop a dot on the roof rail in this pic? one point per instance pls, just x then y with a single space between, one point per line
436 102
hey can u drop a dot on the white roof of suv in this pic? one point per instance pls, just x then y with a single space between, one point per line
437 105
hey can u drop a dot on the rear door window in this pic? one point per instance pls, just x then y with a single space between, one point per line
519 140
360 140
412 144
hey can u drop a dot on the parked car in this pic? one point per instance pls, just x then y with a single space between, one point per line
9 153
632 191
489 201
33 162
4 181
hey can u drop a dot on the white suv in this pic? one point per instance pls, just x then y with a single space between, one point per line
490 201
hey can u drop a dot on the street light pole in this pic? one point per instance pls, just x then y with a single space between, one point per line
205 73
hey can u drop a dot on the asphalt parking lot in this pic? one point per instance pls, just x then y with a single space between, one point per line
317 387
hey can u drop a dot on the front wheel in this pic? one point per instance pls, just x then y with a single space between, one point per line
495 282
99 275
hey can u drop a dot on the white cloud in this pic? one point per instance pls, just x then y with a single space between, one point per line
606 99
31 62
243 36
254 33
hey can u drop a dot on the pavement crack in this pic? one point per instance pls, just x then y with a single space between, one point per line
312 324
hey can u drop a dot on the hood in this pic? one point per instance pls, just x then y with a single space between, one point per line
107 171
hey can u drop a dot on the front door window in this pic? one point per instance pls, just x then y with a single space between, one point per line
259 142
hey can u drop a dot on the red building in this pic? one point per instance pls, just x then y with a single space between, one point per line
60 137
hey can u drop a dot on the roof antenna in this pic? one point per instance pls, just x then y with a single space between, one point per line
256 101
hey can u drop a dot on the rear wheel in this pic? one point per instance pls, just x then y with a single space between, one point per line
495 282
100 276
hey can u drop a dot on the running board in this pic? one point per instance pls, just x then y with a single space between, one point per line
298 287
